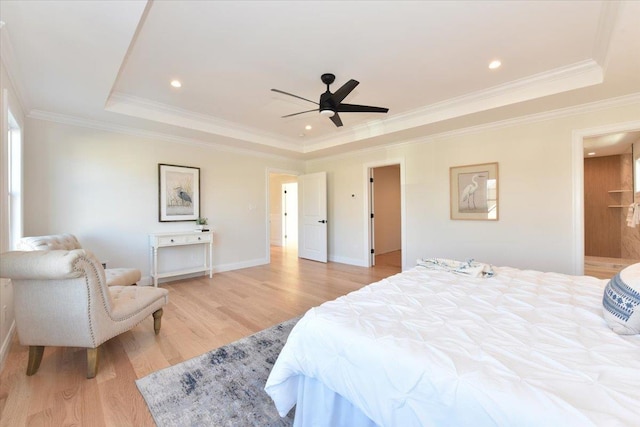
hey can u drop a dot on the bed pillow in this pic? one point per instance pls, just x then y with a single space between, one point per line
621 301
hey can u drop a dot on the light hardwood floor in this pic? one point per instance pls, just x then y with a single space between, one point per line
605 268
202 314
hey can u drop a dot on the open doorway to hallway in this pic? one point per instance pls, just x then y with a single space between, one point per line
290 215
385 200
283 211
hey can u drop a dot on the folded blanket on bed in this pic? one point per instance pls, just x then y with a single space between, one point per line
467 268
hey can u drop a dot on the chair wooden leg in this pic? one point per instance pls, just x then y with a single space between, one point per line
157 320
35 357
92 362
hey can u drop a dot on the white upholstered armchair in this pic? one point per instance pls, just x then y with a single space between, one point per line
61 299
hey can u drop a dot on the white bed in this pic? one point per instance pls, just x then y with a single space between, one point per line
433 348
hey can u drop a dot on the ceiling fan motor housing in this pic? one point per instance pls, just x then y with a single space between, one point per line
327 104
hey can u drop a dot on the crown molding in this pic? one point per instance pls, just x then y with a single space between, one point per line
8 59
621 101
151 135
607 23
163 113
559 113
574 76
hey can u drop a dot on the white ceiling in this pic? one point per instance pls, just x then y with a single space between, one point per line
109 63
611 144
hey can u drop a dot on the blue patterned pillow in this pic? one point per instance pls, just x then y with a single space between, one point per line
621 301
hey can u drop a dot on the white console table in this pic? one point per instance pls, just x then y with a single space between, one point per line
158 241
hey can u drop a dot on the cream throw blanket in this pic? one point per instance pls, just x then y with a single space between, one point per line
467 268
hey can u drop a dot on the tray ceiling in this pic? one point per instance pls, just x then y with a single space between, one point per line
111 63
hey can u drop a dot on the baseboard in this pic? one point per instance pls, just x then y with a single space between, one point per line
350 261
146 280
6 345
387 251
238 265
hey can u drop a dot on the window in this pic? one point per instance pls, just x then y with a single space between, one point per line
14 176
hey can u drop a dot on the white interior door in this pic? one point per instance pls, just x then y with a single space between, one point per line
312 224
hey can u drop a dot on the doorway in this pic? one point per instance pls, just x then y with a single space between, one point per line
283 211
385 215
610 244
290 215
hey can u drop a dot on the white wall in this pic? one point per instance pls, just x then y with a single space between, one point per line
103 187
10 101
535 229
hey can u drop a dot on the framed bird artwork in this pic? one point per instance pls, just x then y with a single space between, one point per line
474 191
178 193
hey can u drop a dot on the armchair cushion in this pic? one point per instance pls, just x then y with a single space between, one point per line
122 276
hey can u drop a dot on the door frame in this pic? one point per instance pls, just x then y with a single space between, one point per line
368 235
577 166
268 172
286 218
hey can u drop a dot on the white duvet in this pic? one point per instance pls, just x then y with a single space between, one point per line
431 348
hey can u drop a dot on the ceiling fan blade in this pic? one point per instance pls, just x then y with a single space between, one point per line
345 90
301 112
336 120
353 108
295 96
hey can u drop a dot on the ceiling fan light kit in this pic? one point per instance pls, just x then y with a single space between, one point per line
330 104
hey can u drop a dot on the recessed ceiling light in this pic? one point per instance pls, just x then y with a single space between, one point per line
308 127
176 83
593 153
495 64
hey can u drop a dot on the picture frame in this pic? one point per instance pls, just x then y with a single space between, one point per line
178 193
474 192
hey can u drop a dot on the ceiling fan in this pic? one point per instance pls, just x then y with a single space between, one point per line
331 103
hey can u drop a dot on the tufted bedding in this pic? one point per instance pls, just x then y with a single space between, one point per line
432 348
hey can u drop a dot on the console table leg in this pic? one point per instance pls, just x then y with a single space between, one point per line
211 260
155 267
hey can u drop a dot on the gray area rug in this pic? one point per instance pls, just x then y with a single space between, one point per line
224 387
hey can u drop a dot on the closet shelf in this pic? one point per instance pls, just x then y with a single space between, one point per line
620 191
618 206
